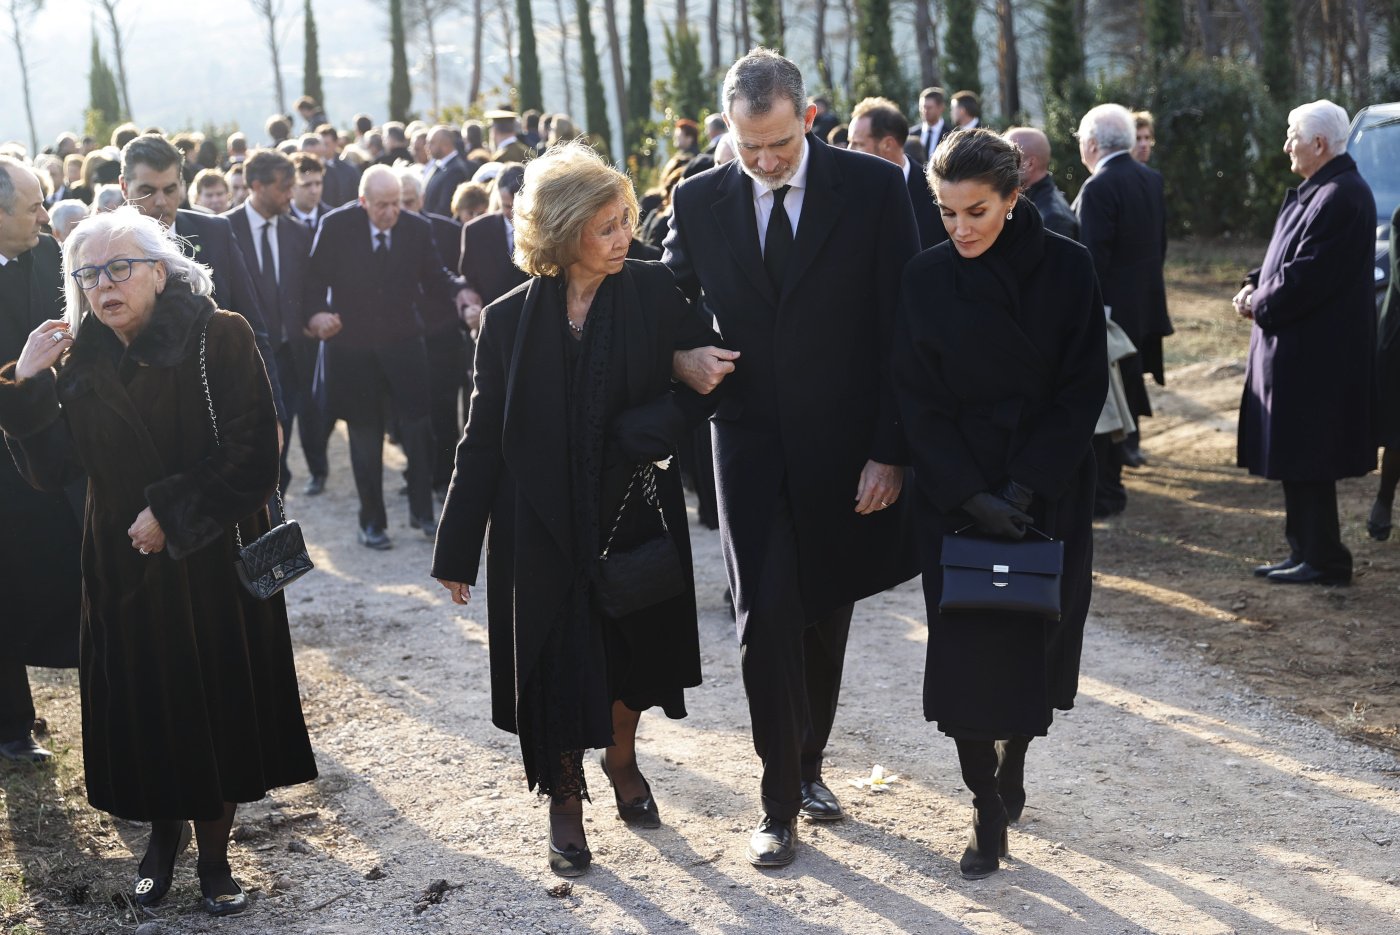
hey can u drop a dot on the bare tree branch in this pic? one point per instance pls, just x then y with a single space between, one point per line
271 13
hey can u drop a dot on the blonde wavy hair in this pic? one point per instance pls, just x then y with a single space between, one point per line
563 189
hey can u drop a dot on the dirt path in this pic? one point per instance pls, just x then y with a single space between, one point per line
1173 799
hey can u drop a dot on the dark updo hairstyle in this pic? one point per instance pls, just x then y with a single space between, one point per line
977 155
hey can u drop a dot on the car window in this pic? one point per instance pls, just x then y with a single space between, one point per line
1375 145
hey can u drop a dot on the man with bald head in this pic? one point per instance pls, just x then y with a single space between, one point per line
1038 186
449 170
371 266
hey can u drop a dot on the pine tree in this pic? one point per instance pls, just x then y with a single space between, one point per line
1276 67
104 104
770 29
686 93
639 76
1166 28
1064 49
877 71
311 62
1392 19
962 59
595 103
400 92
531 97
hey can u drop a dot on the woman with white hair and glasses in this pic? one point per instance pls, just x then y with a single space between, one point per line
189 692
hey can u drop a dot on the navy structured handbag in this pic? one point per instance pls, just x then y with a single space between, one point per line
1002 575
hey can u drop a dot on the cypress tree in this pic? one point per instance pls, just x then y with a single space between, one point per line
1064 49
104 104
639 76
770 31
311 62
400 93
877 71
1165 28
687 94
1277 66
595 103
962 66
531 97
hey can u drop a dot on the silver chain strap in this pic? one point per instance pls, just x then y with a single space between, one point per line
214 423
648 474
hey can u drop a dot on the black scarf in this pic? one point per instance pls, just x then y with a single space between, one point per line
997 275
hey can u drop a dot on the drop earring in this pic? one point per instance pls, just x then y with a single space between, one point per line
1008 215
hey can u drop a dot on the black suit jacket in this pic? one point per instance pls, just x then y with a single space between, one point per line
926 213
211 240
810 400
485 264
341 182
283 310
320 211
437 195
439 317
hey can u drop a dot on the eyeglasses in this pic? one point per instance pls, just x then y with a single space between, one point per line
118 270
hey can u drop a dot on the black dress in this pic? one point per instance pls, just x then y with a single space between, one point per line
1003 378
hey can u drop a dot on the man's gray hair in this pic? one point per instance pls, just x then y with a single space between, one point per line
1111 126
150 239
66 214
1322 118
107 198
8 193
760 79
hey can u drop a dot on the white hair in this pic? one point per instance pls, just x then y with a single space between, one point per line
106 198
64 215
488 172
152 239
411 177
1324 119
1109 125
377 171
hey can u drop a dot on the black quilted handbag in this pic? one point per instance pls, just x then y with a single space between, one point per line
634 579
278 557
1002 575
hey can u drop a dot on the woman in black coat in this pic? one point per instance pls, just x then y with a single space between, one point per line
573 395
189 690
1000 384
1388 395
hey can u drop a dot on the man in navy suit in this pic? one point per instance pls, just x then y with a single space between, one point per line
449 170
924 137
152 180
798 249
342 179
308 188
378 264
878 127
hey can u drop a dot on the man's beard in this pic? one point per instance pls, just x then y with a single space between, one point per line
770 182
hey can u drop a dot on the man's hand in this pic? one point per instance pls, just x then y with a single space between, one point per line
703 368
879 487
323 325
469 309
461 592
146 534
1244 302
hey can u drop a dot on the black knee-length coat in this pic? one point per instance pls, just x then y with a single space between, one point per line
512 475
1003 376
189 691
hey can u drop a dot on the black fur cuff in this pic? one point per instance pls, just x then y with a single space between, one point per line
177 504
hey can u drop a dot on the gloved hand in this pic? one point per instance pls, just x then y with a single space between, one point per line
995 517
1018 495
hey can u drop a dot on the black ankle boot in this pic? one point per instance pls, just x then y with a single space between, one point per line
1011 775
987 844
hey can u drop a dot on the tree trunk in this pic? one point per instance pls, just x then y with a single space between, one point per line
1210 36
564 57
1252 34
474 91
714 37
1008 60
923 31
819 45
681 14
508 32
744 29
119 47
618 69
430 31
846 7
22 9
1361 62
271 11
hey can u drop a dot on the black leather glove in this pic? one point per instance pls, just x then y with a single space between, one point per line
1018 495
649 432
995 517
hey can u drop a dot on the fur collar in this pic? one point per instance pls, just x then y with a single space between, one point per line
179 318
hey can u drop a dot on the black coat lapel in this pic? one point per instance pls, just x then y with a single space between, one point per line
739 225
821 208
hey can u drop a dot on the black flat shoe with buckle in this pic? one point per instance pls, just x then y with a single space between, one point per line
147 891
640 813
215 881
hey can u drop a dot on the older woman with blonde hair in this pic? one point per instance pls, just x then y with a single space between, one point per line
189 692
573 403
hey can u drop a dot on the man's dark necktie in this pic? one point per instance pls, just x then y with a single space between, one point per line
777 242
381 249
928 144
267 275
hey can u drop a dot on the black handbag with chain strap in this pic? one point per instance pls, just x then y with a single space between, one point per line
277 557
646 574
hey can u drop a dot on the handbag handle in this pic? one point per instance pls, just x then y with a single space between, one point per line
959 532
214 423
649 495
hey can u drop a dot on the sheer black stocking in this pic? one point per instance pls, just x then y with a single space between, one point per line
566 804
621 757
215 876
161 848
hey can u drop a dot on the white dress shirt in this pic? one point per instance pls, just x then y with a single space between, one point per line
374 233
256 222
1103 160
792 201
933 135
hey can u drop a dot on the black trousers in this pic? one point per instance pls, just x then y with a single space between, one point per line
367 464
792 666
1109 493
1311 525
16 704
446 377
313 425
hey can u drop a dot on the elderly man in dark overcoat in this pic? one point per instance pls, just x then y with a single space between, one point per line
1305 418
798 248
41 537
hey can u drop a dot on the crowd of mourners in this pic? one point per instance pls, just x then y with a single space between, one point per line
872 350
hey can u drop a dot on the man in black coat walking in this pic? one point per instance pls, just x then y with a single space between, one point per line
450 169
880 129
1038 185
797 248
39 548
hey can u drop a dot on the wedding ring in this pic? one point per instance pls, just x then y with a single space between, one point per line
57 336
884 503
144 552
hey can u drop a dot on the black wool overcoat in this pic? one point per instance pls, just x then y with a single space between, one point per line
511 485
986 397
189 691
1306 410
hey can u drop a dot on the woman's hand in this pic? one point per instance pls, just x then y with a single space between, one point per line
42 350
146 534
995 517
461 592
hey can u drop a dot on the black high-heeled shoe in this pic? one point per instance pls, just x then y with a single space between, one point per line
215 903
641 813
987 845
147 891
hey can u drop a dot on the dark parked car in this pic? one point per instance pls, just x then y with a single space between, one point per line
1374 142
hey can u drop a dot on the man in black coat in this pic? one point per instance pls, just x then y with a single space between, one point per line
1037 184
488 243
797 248
39 548
151 180
277 250
925 135
879 128
1305 418
379 264
342 180
1123 221
449 170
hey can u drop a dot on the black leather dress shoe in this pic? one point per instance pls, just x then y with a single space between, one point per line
372 537
819 802
1303 573
425 523
315 486
773 843
1263 571
24 750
